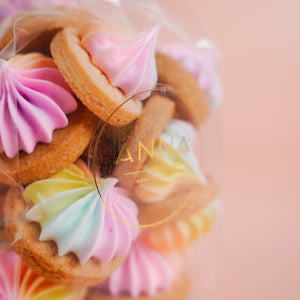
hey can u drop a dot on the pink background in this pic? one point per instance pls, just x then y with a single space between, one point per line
258 255
254 254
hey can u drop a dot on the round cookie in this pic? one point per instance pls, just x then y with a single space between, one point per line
191 104
42 127
89 84
5 184
70 195
180 291
35 29
156 114
178 205
47 159
157 164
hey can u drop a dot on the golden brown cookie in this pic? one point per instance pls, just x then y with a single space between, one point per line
179 204
42 257
157 113
5 184
34 29
89 84
191 104
47 159
180 291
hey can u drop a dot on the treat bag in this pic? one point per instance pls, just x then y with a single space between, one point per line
110 146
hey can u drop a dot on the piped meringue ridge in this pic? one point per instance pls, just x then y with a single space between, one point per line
157 274
71 212
127 59
18 282
34 101
174 161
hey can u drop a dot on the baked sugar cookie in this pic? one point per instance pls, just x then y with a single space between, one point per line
70 234
42 128
5 184
202 63
174 166
133 154
48 159
106 67
178 205
160 168
35 100
191 102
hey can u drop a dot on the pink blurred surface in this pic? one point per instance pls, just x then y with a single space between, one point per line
255 251
258 256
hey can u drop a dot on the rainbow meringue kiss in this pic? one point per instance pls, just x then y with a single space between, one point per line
145 272
127 60
71 213
34 101
18 282
174 163
179 234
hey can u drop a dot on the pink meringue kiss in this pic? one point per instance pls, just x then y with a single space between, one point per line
127 60
34 101
145 272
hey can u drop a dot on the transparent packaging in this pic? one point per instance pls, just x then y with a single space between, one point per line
109 153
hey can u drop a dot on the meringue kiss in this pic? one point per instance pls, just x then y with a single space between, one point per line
34 101
127 60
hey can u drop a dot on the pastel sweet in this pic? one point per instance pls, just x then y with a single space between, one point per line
34 101
128 60
110 66
157 274
90 230
18 282
157 113
67 146
71 234
174 164
181 233
201 63
146 274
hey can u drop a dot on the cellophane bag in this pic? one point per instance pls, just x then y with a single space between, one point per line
109 153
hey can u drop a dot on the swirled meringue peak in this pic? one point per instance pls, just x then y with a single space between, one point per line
172 163
34 101
71 213
145 272
127 60
18 282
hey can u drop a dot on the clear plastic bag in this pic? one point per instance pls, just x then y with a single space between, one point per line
110 147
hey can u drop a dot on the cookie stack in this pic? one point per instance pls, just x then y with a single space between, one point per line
101 188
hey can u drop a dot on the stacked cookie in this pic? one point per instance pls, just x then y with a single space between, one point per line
102 190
